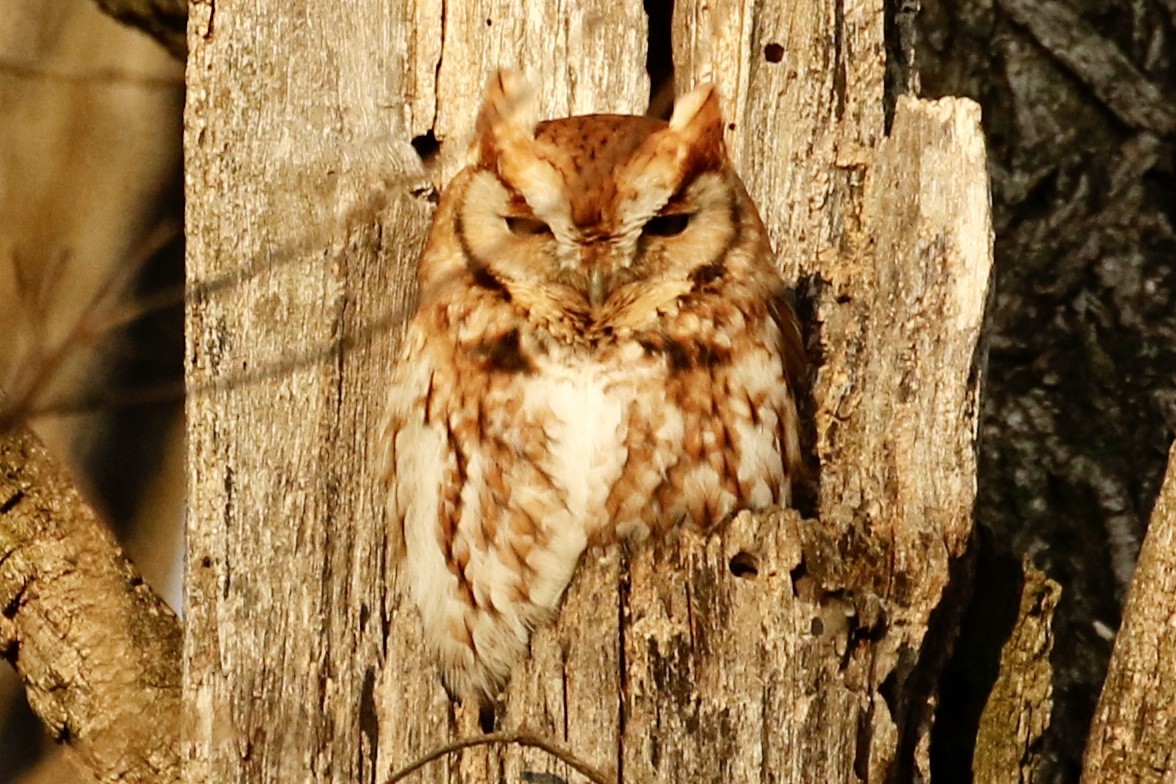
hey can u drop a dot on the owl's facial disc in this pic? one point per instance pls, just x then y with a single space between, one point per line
583 209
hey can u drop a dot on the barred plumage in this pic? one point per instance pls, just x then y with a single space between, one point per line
601 350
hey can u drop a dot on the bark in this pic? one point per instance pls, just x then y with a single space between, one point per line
306 206
1131 739
1078 411
98 652
780 648
1021 700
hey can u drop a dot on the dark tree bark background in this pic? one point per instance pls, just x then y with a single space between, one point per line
1079 406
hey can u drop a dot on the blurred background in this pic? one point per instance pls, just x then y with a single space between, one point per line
91 276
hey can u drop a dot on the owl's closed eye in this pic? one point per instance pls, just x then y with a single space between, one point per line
601 350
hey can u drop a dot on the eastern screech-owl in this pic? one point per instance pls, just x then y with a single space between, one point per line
601 350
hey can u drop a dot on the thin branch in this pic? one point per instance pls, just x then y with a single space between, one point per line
38 370
164 20
94 77
562 754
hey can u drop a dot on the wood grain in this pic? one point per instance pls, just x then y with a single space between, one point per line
667 662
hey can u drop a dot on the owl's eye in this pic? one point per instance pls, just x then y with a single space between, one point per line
666 225
526 227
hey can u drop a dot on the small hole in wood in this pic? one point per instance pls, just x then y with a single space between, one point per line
745 565
798 574
487 720
426 146
773 53
817 627
206 562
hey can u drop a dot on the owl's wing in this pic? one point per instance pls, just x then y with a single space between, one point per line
478 594
415 449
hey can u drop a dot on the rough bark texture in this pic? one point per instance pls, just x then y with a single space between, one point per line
1078 410
1135 722
1020 704
306 208
779 649
98 652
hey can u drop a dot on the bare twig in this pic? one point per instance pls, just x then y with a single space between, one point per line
562 754
96 77
164 20
41 366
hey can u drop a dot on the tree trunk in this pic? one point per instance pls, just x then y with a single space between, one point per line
1136 718
779 649
306 206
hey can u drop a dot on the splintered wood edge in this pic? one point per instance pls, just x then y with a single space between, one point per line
898 396
1131 737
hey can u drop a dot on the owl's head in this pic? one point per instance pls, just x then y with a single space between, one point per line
609 217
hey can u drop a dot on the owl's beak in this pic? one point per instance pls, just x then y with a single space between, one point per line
598 282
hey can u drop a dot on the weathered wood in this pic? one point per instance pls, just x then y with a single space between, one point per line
97 650
802 89
757 653
1131 739
306 206
896 398
1020 705
586 56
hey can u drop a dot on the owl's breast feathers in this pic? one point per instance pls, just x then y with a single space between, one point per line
619 432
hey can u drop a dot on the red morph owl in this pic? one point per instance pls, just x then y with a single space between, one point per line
601 351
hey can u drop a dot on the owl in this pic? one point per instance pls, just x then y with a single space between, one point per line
602 350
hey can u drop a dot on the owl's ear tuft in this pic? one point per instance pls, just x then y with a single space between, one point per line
507 118
506 144
698 123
